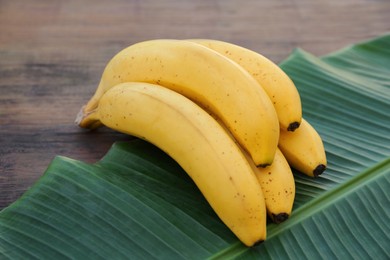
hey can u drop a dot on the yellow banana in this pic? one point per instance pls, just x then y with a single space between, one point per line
304 149
214 82
279 87
278 185
197 142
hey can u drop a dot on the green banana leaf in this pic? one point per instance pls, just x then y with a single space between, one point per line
137 203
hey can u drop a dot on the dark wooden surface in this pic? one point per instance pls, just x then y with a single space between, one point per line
52 54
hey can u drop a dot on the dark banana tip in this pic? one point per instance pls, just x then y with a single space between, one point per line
279 218
319 170
263 165
258 242
294 125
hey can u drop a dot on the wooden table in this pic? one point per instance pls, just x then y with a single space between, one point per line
52 54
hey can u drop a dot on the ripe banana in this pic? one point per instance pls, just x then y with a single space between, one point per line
278 185
214 82
304 149
197 142
279 87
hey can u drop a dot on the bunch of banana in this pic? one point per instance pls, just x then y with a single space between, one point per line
216 83
229 116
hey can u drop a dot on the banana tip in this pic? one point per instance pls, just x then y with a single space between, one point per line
319 170
293 126
258 242
263 165
279 218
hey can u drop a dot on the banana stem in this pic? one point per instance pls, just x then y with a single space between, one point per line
88 119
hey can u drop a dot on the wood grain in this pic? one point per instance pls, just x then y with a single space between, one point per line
52 54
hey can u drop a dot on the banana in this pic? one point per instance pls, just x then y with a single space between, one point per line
197 142
279 87
214 82
304 149
276 181
278 185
